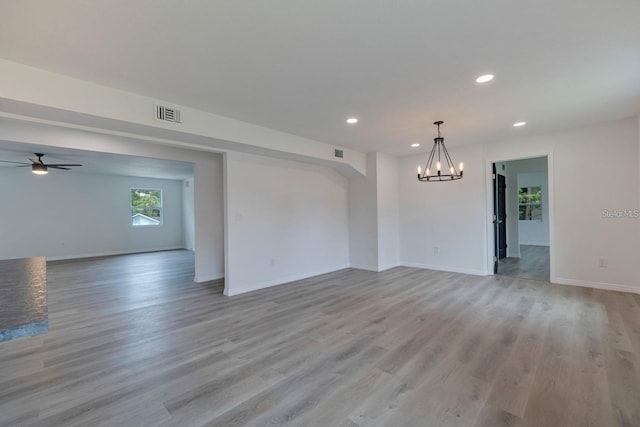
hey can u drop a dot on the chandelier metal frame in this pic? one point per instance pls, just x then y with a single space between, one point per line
438 153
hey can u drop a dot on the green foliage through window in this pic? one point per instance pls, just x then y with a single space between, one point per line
146 206
530 203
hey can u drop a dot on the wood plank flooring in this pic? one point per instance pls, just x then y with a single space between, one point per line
533 263
133 342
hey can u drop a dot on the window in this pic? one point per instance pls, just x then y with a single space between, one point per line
530 203
146 206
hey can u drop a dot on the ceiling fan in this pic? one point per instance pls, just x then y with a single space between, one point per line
39 167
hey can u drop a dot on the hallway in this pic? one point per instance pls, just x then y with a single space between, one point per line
533 264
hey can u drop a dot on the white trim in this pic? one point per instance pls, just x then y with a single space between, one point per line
281 281
225 220
113 253
598 285
446 268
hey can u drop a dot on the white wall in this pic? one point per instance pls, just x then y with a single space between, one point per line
208 190
535 232
284 221
208 177
188 214
68 214
387 211
373 215
442 224
592 168
26 90
363 218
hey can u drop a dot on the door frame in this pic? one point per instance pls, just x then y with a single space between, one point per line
490 240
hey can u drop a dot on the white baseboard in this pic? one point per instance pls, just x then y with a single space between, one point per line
446 268
113 253
597 285
280 281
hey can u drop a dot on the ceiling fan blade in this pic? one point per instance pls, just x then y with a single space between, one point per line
37 162
19 163
23 166
58 167
60 164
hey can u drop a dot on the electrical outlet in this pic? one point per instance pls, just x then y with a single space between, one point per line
436 250
273 262
603 263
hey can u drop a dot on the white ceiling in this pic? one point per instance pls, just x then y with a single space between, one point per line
304 66
95 162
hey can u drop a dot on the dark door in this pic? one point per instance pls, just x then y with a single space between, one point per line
499 218
502 216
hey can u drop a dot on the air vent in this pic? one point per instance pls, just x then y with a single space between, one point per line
167 114
339 153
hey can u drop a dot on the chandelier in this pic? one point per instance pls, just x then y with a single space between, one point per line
439 154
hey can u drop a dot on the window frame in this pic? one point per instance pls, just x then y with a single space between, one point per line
160 208
532 205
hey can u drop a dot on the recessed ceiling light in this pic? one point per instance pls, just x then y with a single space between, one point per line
485 78
352 120
518 124
415 144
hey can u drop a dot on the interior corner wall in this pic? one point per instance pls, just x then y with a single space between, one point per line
285 221
209 236
442 224
73 215
363 218
387 212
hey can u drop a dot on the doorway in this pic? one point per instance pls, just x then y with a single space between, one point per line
521 218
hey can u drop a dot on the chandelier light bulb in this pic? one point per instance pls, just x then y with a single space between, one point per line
461 166
419 170
438 166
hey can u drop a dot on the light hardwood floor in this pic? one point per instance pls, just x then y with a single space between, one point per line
133 342
532 264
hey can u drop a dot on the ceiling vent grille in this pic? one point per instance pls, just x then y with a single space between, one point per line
168 114
338 153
